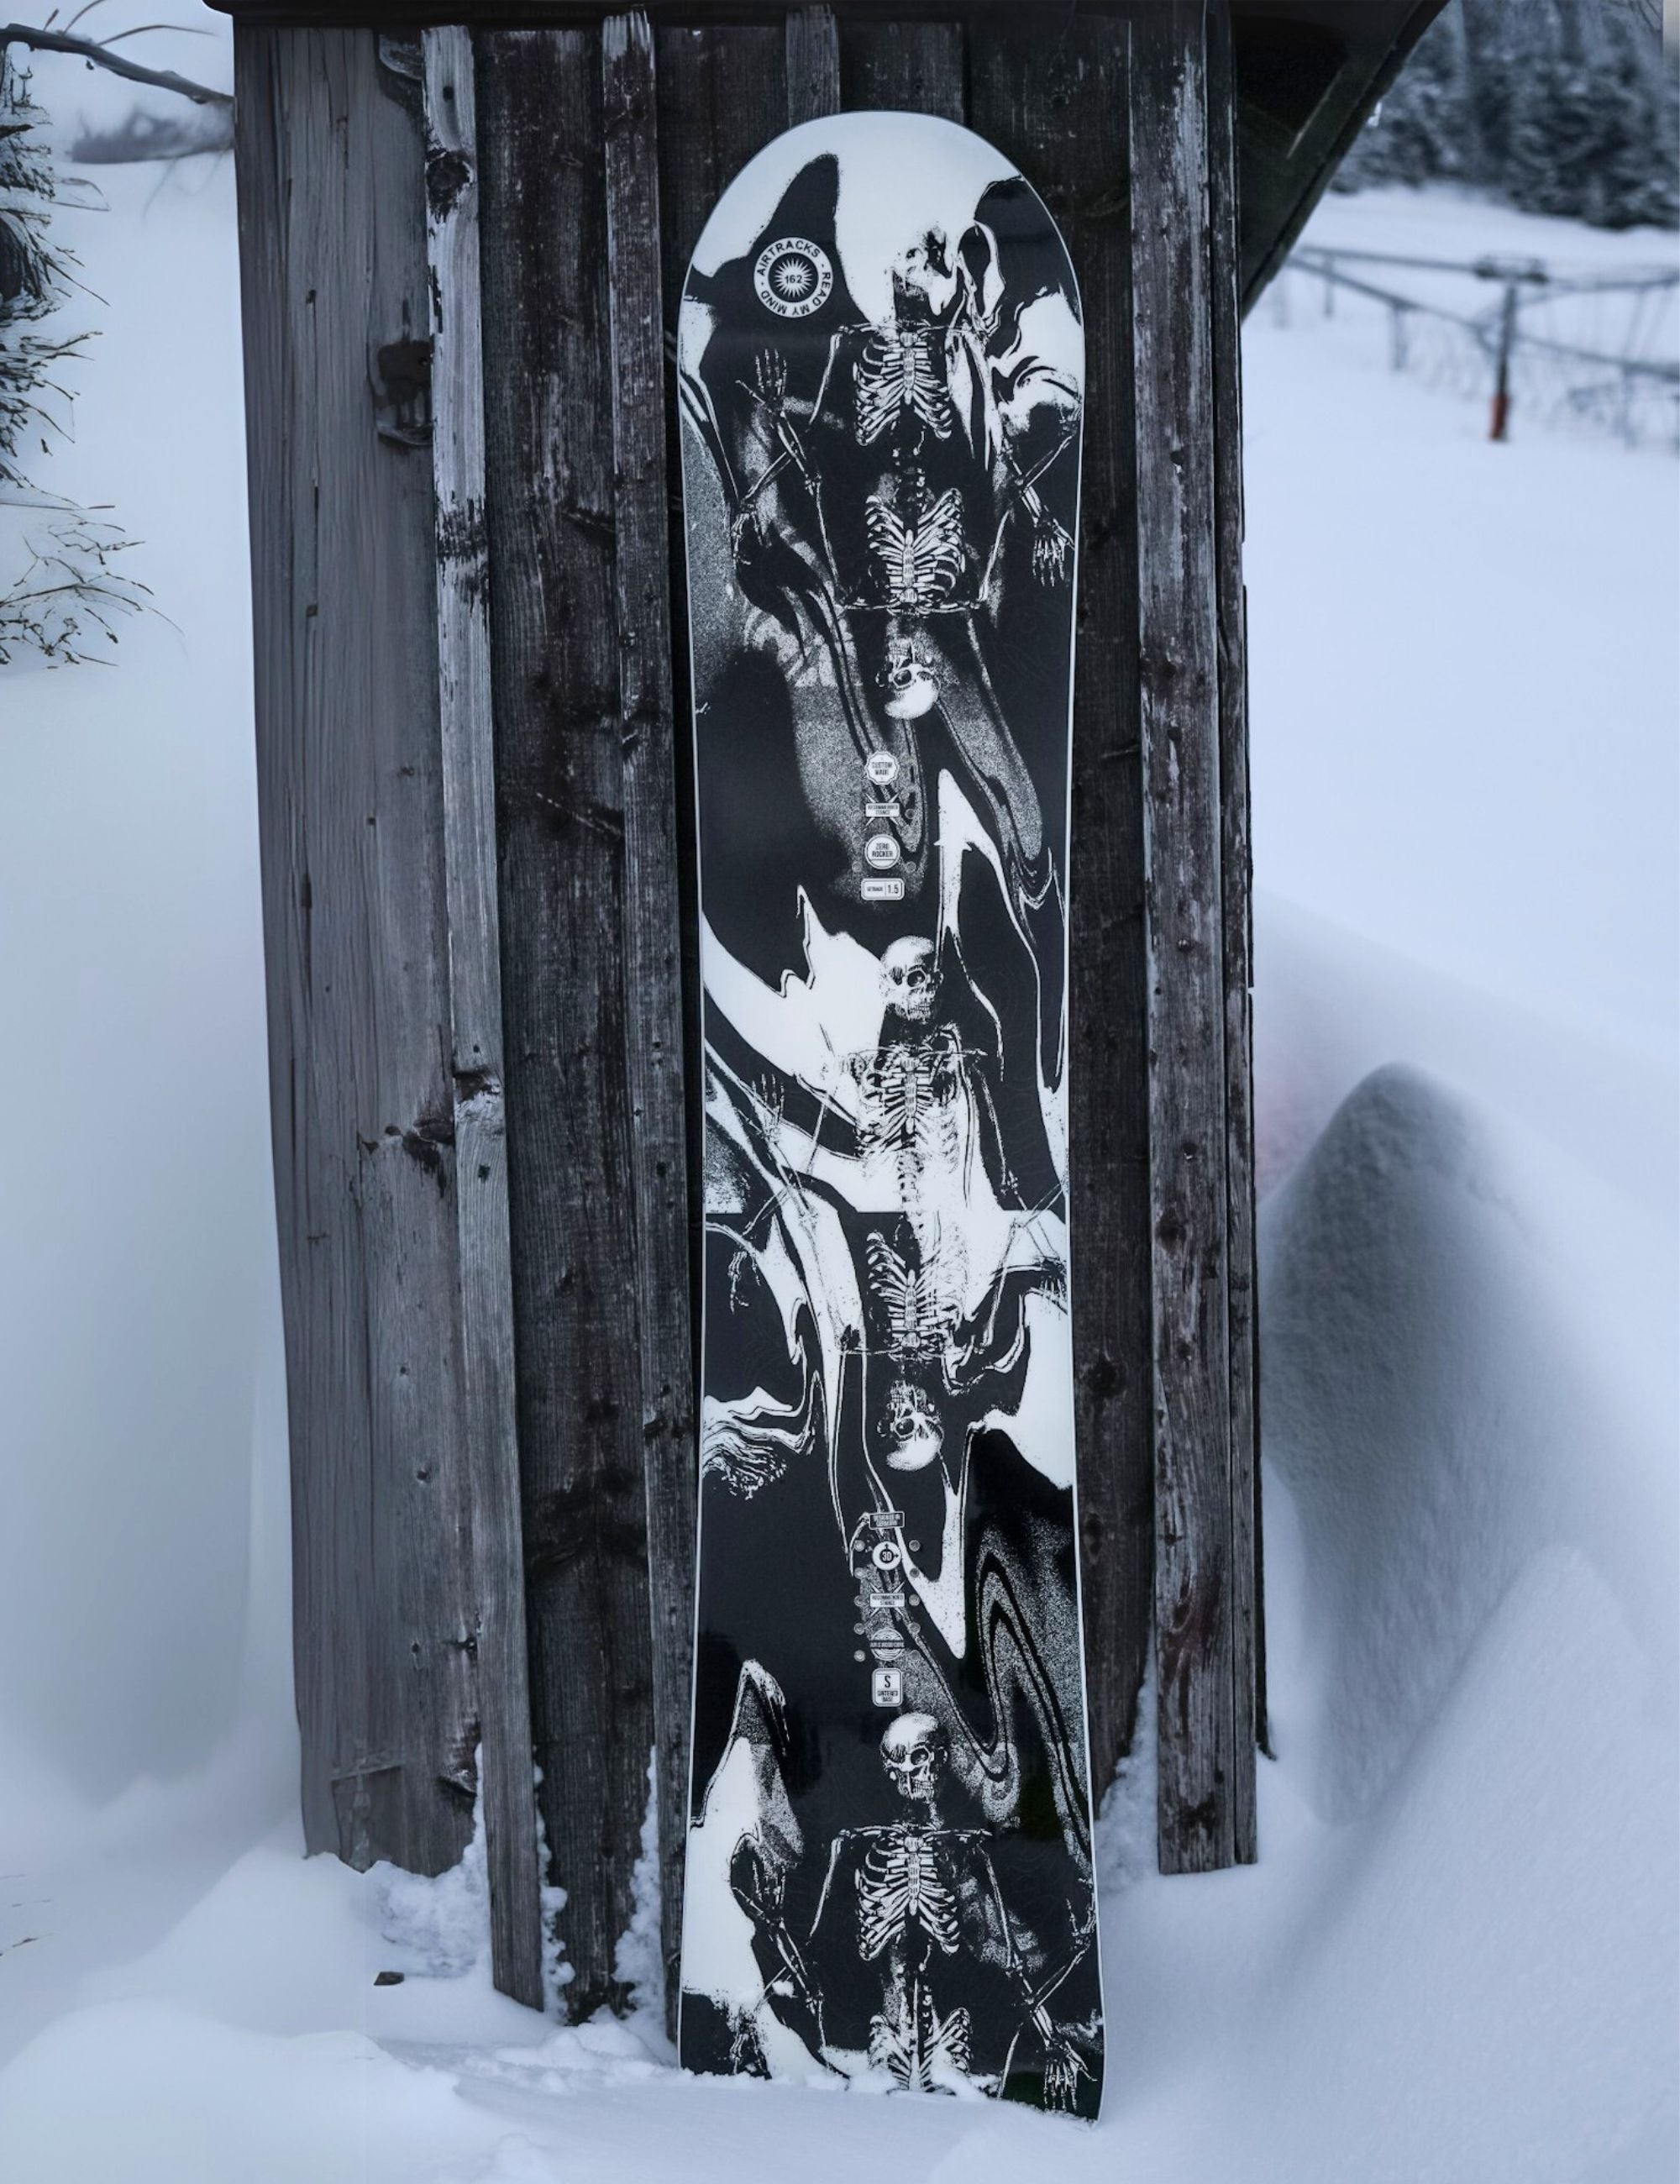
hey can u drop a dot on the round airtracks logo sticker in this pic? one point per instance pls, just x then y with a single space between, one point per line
793 277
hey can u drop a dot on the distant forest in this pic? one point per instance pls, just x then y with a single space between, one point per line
1569 106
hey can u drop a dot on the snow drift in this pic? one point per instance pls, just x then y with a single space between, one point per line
1454 1961
1454 1964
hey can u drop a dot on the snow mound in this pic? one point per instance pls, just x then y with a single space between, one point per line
141 2090
1454 1961
1431 1434
1471 1816
1433 2007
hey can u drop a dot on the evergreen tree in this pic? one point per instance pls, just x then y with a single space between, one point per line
1490 68
61 589
1420 132
1567 107
1641 111
1554 124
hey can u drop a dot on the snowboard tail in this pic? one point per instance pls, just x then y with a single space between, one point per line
888 1870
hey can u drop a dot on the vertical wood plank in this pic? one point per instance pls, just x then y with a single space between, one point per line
722 94
486 1307
332 249
1235 872
560 786
1179 679
813 65
903 67
652 930
1053 95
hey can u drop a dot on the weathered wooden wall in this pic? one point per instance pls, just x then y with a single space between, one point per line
562 791
332 213
1248 1681
1188 680
489 1372
379 878
603 146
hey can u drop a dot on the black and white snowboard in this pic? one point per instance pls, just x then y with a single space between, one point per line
890 1872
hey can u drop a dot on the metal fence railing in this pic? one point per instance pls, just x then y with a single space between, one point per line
1600 349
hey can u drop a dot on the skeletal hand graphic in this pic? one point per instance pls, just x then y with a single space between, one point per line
1064 2064
1051 548
770 372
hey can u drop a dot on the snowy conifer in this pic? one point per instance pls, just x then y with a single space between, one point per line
1567 107
61 590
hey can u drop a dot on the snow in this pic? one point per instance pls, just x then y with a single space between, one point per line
640 1962
1465 662
1456 1958
1463 225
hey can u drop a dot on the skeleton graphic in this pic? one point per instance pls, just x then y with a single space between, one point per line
906 1885
905 1881
911 1105
916 1102
911 1962
926 1894
902 373
921 1307
915 1899
921 556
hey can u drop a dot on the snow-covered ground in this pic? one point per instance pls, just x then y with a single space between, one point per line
1456 1958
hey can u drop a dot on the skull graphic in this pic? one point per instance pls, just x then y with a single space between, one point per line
911 678
914 1751
912 1427
923 280
910 980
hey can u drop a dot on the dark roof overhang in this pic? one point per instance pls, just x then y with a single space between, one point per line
1307 74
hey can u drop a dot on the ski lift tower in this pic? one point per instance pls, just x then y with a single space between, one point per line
463 235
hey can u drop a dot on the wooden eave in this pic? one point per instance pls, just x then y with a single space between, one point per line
1307 74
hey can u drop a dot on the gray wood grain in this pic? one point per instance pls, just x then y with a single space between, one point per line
467 738
722 96
1053 95
560 784
332 248
813 65
903 67
652 923
1236 874
1179 716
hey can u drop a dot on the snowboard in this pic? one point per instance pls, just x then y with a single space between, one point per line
880 367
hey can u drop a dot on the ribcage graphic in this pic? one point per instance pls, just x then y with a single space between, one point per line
899 1881
900 374
920 561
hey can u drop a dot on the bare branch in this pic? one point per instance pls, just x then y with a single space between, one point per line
145 135
88 49
145 31
86 10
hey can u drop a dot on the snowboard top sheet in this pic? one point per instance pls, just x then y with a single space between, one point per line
881 371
